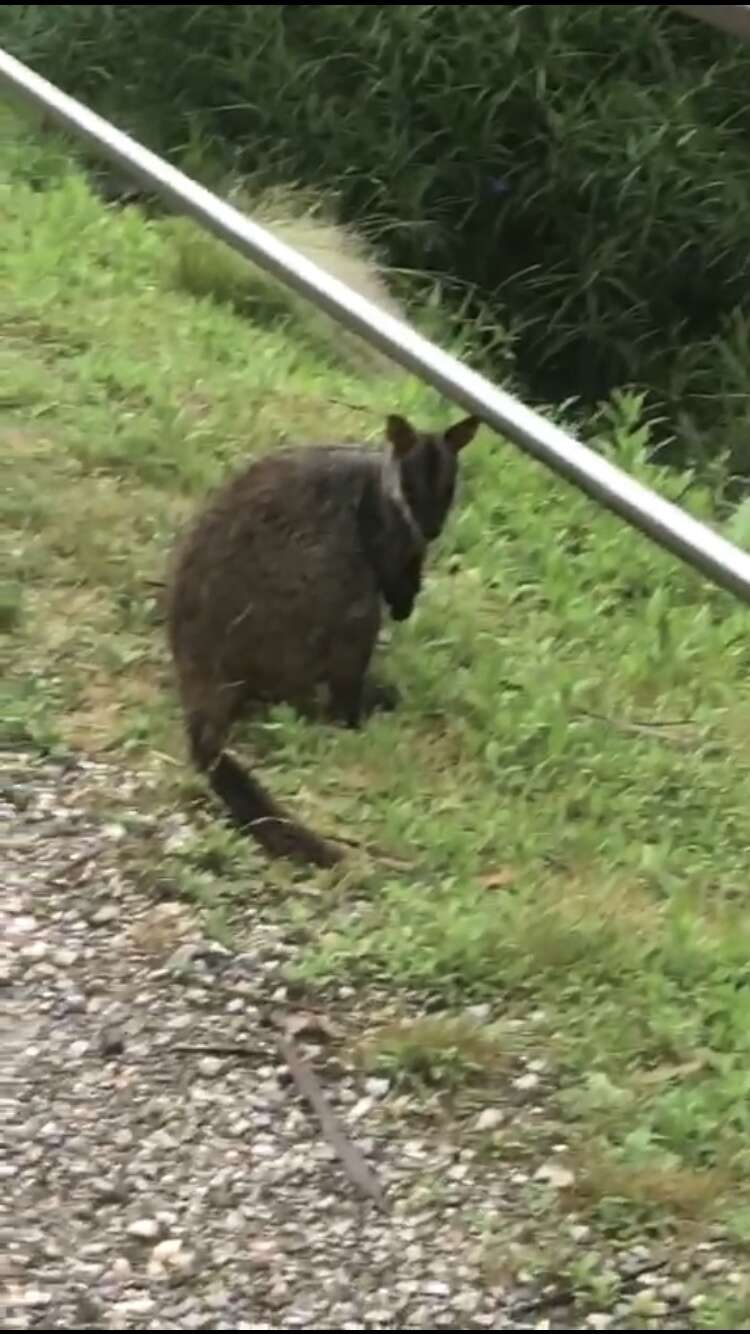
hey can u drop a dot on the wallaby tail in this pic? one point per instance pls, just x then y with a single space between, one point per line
255 812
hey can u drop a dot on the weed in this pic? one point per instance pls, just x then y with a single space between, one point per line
659 1188
205 267
591 1281
444 1052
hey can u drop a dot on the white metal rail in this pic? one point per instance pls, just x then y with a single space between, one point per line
734 19
664 523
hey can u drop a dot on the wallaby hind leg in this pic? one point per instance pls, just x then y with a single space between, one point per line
350 705
347 686
346 703
345 673
379 696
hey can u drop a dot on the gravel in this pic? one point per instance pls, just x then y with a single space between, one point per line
148 1181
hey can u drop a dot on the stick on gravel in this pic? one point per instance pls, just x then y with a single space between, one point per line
351 1158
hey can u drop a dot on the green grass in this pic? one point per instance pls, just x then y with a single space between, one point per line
563 796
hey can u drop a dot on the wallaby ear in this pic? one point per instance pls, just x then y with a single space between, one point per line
401 435
461 433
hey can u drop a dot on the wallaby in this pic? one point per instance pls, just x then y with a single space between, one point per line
277 593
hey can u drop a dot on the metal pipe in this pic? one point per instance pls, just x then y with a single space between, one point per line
734 19
661 521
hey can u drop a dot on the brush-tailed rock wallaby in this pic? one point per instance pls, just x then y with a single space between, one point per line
277 593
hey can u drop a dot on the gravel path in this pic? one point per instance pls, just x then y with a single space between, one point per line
146 1186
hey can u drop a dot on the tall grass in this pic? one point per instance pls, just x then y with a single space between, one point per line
584 166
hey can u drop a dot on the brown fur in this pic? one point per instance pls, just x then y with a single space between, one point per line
277 592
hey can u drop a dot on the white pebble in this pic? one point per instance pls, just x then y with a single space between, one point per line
263 1148
166 1250
377 1088
65 958
133 1306
178 841
360 1109
35 951
144 1229
210 1067
105 915
715 1266
555 1175
490 1119
168 1255
468 1301
35 1297
22 925
527 1082
436 1288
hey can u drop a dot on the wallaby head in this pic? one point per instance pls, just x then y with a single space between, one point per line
404 507
427 467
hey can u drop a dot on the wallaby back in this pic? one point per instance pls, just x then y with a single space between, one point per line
277 593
